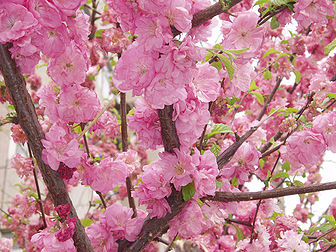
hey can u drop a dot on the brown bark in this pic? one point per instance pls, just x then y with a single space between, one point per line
28 121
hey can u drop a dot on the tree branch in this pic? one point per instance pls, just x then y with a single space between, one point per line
28 121
275 193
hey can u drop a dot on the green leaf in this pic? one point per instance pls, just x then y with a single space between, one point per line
208 56
237 51
280 2
297 76
280 175
215 149
217 65
262 2
259 97
270 51
253 86
234 181
332 95
99 33
298 183
274 23
188 191
330 47
228 65
219 128
267 75
86 222
219 184
239 234
286 166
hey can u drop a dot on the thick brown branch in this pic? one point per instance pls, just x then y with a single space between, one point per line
275 193
28 121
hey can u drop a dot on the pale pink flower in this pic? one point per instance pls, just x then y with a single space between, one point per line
15 22
243 33
78 104
303 148
6 245
100 237
189 222
134 70
244 161
48 99
179 14
69 68
46 13
325 124
61 146
107 124
206 83
292 241
241 80
261 243
153 31
178 167
145 122
69 8
109 174
130 158
79 29
49 243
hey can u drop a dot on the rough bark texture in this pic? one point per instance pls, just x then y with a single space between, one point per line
27 119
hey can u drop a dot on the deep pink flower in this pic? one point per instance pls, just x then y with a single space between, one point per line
69 8
46 13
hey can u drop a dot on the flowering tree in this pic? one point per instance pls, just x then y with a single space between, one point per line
257 105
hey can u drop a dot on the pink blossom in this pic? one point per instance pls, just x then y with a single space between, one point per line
134 70
6 245
190 116
61 146
205 176
48 99
303 148
46 13
179 14
22 165
15 22
67 230
67 7
120 222
189 222
243 33
109 174
145 123
100 237
262 243
178 167
107 124
292 241
153 32
325 124
78 104
79 29
49 243
63 210
244 161
241 80
18 134
69 68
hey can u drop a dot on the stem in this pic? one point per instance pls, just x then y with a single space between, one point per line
93 19
171 244
124 141
88 154
275 193
245 223
200 145
28 121
39 201
269 99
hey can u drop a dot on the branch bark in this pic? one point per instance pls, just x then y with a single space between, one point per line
28 121
275 193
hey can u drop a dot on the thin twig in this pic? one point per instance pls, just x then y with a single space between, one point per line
93 19
171 244
245 223
124 141
200 145
269 99
323 235
39 201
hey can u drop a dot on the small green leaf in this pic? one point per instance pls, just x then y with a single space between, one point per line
298 183
99 33
239 234
215 149
274 23
270 51
219 128
262 2
219 184
297 76
208 56
286 166
253 86
332 95
234 181
237 51
267 75
330 47
217 65
259 97
188 191
86 222
228 65
280 175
